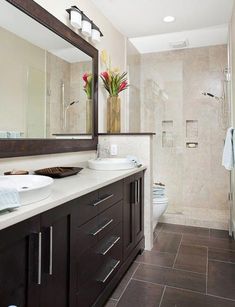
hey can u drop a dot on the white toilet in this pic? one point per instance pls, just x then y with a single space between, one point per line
160 202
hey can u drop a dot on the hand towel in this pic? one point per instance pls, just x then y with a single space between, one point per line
9 196
228 153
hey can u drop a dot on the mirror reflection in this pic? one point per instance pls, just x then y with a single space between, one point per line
45 84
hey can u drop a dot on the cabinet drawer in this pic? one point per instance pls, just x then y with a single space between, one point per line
109 195
84 236
111 245
87 266
91 261
89 292
97 266
108 220
84 208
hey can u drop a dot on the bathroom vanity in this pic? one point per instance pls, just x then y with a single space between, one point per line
75 253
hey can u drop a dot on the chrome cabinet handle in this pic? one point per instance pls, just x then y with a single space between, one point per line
101 228
39 258
108 275
102 200
136 191
51 251
108 249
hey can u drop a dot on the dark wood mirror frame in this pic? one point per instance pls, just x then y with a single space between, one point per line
28 147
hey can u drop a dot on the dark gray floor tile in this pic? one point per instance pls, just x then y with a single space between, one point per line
186 229
221 279
167 242
171 277
220 234
157 258
181 298
209 242
122 285
192 258
140 294
221 255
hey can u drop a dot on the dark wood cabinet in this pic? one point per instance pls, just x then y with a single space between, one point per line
139 208
20 258
133 212
55 228
75 254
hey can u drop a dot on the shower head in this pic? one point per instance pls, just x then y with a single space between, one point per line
211 95
73 102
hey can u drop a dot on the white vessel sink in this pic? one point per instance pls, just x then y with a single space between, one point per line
32 188
110 164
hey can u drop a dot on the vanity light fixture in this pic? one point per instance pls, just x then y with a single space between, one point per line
80 21
169 19
75 16
86 26
95 33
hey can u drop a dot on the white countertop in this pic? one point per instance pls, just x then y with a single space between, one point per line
64 190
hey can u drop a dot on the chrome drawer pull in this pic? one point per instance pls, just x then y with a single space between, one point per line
51 251
39 258
108 275
102 200
136 191
108 249
101 228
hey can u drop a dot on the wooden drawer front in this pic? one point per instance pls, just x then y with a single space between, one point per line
108 220
89 292
87 266
96 266
111 245
110 195
84 209
84 236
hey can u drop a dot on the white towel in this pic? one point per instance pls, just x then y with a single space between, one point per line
228 153
9 196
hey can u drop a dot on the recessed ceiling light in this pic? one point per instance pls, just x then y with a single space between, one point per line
169 19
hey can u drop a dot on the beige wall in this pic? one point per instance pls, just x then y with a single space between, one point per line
113 41
196 183
134 71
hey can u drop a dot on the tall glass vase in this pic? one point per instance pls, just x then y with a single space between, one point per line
113 114
89 116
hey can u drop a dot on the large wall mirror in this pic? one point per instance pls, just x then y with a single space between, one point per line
44 67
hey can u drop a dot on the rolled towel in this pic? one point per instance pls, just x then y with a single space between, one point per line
228 152
9 196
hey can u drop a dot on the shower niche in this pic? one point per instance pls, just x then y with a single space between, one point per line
192 134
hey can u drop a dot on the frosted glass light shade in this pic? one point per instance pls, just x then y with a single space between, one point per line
95 36
76 19
86 28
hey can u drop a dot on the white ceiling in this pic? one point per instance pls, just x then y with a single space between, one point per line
211 36
136 18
